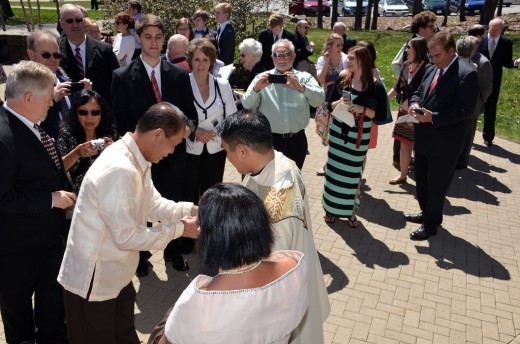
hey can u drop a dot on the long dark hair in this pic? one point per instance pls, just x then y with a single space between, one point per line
365 64
106 125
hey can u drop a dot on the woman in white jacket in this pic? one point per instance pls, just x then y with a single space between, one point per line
213 100
124 43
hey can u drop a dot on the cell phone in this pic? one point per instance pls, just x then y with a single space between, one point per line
277 78
76 86
346 95
419 111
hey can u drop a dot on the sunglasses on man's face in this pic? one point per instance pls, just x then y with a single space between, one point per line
47 55
92 112
71 20
282 54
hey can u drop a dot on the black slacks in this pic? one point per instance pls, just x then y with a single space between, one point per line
490 115
25 274
294 147
433 177
202 172
101 322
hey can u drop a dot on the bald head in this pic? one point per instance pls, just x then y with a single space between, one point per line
177 46
496 26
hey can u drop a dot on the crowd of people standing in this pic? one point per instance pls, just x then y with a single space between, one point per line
130 140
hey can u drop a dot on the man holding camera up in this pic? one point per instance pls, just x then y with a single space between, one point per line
284 94
42 47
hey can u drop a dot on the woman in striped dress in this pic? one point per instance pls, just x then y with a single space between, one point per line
348 145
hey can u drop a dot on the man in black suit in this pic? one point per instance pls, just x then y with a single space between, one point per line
499 51
32 213
42 47
447 97
269 36
94 60
340 28
133 93
304 49
226 36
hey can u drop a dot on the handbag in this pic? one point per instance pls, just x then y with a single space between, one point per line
323 119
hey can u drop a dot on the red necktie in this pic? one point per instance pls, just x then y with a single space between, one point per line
49 146
79 61
155 86
434 83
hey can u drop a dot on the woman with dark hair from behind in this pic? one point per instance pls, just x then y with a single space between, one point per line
89 119
257 296
409 80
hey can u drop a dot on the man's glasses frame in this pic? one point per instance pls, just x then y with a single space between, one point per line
72 20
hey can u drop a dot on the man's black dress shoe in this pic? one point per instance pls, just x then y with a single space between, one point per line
179 263
415 218
143 269
488 143
422 233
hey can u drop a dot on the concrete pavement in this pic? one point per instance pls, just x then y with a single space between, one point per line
460 286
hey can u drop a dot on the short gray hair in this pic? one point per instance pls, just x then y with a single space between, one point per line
28 77
71 6
37 35
339 24
252 47
285 41
466 45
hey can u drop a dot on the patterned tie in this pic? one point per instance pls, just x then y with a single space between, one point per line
218 34
492 49
276 38
79 61
49 146
155 86
434 83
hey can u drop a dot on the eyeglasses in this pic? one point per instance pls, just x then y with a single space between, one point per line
283 54
71 20
407 47
243 55
305 27
47 55
91 112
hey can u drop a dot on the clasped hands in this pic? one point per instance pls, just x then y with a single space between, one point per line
204 136
191 224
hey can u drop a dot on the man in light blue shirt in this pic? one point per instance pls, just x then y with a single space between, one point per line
285 102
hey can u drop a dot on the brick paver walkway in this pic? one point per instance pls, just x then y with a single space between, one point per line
461 286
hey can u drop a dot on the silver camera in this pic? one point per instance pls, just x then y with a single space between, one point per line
98 144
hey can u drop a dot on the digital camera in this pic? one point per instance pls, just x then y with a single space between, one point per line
98 144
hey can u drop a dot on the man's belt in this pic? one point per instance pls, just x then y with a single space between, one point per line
289 135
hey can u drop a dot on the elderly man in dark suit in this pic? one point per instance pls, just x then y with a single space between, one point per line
84 57
269 36
32 203
443 105
499 51
340 28
144 82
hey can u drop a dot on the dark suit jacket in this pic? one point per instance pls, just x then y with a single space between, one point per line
100 64
132 95
28 177
452 103
226 45
502 57
51 124
300 47
349 43
266 39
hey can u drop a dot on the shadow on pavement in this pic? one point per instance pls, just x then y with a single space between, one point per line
339 279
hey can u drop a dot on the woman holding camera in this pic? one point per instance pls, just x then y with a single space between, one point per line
364 98
213 100
258 296
86 131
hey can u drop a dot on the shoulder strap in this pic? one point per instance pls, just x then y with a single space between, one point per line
220 95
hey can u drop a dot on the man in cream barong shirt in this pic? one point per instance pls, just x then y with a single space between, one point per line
247 139
108 229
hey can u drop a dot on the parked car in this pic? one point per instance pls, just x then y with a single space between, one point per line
394 8
349 7
308 7
436 6
471 7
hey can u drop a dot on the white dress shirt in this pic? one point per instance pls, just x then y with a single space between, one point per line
108 229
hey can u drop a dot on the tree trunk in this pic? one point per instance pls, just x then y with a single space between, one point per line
335 14
31 18
462 11
417 6
359 15
25 16
320 14
488 12
499 9
375 15
368 18
446 13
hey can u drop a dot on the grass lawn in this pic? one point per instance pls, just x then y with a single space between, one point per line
388 44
